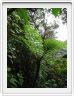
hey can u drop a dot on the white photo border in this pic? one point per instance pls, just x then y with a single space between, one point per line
34 95
72 47
37 1
0 49
67 90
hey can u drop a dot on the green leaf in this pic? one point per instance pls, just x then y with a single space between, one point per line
22 12
34 40
51 44
56 11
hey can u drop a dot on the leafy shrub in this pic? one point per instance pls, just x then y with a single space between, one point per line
51 44
53 71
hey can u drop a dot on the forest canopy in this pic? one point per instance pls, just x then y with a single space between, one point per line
35 56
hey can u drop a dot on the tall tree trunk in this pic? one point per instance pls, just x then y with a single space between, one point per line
37 71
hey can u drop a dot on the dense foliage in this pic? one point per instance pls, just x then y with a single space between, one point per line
34 59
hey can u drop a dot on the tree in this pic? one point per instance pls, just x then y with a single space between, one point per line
28 47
